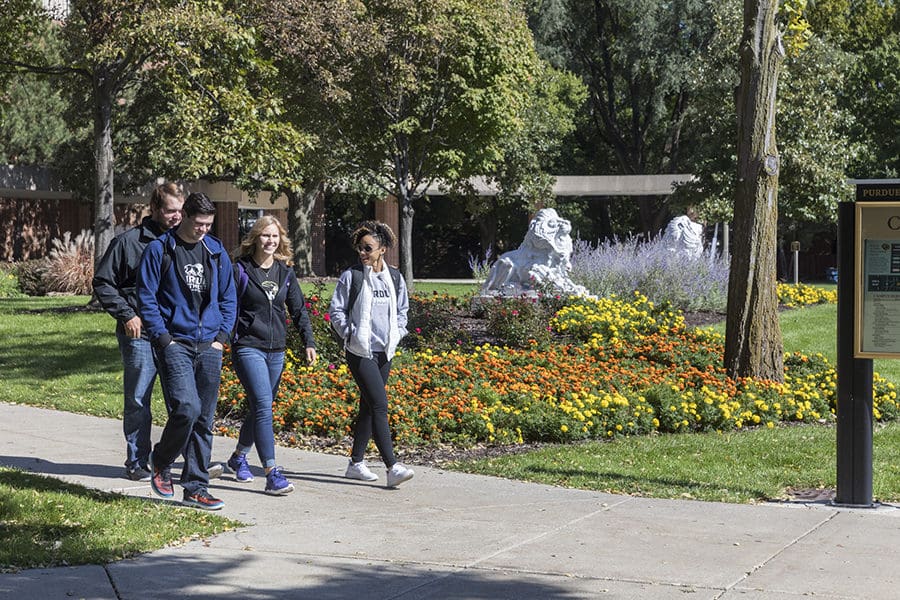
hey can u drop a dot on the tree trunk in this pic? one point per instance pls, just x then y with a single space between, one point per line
753 346
300 211
487 229
405 200
406 225
104 213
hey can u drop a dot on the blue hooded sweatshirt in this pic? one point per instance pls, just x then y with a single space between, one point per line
166 304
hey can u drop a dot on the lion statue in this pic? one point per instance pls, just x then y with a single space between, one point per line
684 236
542 258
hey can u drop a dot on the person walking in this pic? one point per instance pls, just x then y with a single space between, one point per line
266 284
368 311
186 299
114 286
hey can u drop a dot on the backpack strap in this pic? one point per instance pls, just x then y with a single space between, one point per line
241 277
395 275
355 286
166 261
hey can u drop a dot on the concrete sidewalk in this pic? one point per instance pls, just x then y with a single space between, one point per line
450 535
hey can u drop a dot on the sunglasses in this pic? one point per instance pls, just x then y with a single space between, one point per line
367 248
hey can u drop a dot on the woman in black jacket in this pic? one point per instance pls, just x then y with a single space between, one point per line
266 284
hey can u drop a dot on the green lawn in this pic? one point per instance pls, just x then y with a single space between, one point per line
748 466
56 355
45 522
814 329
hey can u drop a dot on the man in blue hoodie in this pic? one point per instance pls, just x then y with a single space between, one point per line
188 305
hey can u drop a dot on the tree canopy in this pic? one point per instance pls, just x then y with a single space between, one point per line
405 94
641 61
211 114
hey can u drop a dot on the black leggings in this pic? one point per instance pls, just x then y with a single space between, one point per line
371 375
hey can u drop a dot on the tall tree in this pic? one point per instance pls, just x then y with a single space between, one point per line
641 61
753 345
427 93
448 84
315 71
523 177
32 109
815 150
116 46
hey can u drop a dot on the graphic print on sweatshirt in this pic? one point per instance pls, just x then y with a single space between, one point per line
270 288
192 265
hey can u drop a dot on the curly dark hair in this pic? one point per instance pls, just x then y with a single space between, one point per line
378 230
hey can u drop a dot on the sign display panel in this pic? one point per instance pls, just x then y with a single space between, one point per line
878 282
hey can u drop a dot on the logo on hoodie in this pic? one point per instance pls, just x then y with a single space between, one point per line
195 277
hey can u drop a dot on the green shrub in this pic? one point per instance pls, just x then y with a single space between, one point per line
327 348
9 283
520 322
434 322
31 276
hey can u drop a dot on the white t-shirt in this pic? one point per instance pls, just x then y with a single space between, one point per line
381 310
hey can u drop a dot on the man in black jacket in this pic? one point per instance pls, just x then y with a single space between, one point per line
114 285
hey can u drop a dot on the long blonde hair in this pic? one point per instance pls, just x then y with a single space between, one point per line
284 253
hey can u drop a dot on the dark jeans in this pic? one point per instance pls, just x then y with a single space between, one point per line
260 373
371 375
138 377
190 374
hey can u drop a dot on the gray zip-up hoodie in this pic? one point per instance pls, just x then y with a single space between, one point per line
356 327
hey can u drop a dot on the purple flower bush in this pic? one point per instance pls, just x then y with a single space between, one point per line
623 267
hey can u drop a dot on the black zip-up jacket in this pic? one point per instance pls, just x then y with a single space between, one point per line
115 280
262 324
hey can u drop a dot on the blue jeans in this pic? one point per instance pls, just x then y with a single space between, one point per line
260 373
190 375
137 385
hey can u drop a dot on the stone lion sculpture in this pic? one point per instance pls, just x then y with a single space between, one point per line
542 258
684 236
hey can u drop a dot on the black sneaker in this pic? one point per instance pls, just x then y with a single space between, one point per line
161 480
137 473
202 499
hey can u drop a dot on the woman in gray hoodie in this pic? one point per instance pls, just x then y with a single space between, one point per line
369 313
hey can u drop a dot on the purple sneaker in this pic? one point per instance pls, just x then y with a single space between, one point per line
241 469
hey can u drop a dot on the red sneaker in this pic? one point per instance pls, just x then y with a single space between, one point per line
161 480
202 499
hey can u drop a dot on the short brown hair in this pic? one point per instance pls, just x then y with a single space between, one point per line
163 190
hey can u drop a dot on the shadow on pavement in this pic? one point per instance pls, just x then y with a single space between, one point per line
321 578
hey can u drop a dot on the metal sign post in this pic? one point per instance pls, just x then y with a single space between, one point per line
854 379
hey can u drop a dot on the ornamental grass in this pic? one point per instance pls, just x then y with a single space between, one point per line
616 367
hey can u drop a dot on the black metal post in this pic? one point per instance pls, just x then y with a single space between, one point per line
854 379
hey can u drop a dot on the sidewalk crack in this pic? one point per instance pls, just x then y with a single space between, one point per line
775 555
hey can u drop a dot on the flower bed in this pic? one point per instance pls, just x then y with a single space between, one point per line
627 368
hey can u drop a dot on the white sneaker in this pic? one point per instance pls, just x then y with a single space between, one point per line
360 471
215 470
398 474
